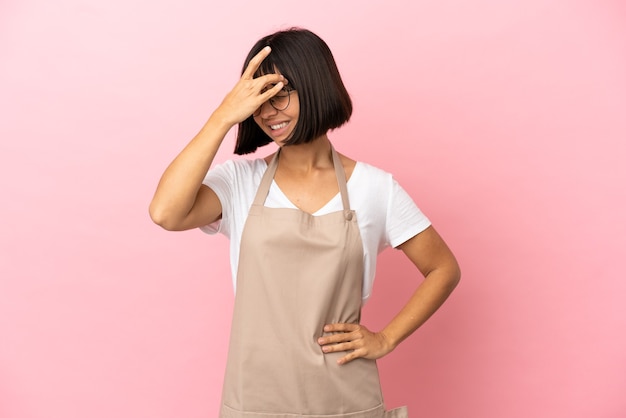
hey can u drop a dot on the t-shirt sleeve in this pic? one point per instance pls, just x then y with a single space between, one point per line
221 180
404 218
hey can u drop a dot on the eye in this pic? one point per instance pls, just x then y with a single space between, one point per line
283 93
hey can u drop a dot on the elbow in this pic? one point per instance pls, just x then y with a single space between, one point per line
454 276
448 275
160 217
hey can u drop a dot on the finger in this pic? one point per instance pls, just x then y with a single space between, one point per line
337 338
269 93
341 327
349 357
255 62
339 347
270 80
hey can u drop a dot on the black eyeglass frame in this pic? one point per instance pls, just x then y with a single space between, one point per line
272 99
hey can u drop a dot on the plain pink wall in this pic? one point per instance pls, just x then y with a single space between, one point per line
506 121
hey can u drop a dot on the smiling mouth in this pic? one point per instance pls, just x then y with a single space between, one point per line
279 126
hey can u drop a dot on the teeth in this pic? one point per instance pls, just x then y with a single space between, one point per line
280 125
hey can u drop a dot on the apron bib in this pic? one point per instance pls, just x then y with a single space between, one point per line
298 272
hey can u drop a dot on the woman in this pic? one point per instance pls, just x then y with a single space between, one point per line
305 225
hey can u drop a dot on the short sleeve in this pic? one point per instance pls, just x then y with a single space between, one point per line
404 218
221 179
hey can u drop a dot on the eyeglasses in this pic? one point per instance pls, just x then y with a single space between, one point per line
279 102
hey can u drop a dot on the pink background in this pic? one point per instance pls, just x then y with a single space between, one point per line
506 121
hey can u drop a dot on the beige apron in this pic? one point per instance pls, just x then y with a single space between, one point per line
298 272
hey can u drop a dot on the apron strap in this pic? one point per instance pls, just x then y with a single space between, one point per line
268 177
266 181
341 179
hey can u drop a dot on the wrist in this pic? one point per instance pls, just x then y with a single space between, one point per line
389 340
220 121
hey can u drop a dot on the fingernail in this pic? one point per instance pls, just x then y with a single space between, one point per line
320 341
267 48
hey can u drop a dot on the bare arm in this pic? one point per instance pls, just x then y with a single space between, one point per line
435 261
181 201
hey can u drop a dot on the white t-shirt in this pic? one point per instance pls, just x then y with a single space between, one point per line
386 214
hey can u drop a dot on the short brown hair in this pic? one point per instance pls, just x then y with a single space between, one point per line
308 64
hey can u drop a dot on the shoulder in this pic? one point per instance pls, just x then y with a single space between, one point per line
368 181
348 165
364 172
239 168
372 175
362 167
370 187
244 164
234 176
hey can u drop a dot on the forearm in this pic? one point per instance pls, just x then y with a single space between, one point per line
358 341
424 302
176 192
180 186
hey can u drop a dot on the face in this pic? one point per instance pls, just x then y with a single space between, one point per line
278 116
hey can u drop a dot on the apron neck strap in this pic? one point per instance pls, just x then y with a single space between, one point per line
268 176
341 179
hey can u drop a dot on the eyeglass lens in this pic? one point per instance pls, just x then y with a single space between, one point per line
279 102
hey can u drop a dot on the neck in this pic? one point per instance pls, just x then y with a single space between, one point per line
307 156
